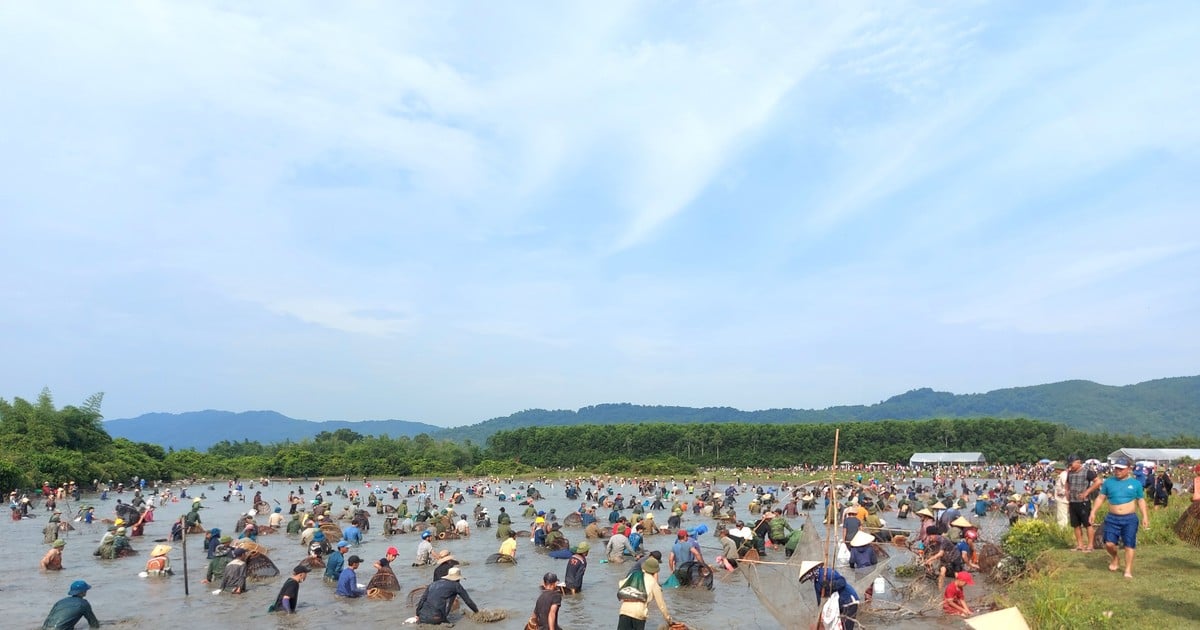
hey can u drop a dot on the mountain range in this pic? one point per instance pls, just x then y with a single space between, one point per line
1160 408
202 429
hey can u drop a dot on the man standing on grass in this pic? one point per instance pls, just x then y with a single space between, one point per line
1079 506
1124 494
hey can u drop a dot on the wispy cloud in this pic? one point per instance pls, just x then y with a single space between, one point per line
755 205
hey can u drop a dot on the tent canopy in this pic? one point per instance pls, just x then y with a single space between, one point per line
927 459
1162 455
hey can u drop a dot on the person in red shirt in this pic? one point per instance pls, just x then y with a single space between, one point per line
955 600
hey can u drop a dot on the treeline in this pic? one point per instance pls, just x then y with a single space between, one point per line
330 454
41 443
783 445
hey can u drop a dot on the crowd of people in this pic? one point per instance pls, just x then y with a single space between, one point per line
945 540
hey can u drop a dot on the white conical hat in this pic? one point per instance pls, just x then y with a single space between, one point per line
861 538
807 566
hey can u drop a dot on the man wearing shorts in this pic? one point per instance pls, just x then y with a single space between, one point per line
1079 505
1124 494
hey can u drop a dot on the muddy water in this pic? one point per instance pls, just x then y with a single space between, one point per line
121 598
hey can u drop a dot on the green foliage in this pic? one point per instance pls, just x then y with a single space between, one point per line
1028 538
12 477
1054 603
43 443
500 468
612 447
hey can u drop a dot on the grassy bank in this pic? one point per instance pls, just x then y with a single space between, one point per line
1068 589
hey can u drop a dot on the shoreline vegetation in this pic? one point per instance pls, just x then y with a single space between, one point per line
42 442
1063 589
1053 586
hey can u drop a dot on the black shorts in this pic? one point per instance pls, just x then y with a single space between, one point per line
1079 513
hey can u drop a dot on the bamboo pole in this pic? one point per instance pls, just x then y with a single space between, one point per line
185 566
831 537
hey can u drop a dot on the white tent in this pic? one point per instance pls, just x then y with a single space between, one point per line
934 459
1157 455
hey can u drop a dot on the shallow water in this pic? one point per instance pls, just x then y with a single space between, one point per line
120 597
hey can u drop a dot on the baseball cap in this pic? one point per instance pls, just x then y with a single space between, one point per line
392 551
343 544
966 577
1122 462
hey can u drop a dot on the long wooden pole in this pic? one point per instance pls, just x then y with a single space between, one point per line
834 504
185 571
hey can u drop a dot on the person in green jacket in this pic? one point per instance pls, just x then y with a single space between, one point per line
779 528
789 547
69 610
221 557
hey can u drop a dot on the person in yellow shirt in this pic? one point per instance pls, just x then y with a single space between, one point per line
509 546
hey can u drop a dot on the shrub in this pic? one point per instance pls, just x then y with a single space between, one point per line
1026 540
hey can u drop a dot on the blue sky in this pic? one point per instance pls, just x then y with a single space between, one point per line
448 212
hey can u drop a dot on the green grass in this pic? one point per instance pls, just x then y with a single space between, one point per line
1067 590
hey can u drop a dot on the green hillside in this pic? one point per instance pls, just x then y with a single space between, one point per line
1160 408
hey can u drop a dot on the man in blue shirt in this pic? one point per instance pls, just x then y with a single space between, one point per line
348 580
353 535
335 562
70 609
826 582
1124 494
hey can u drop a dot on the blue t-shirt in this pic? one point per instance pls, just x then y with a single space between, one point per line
348 584
1120 492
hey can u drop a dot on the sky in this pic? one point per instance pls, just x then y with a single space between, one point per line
447 212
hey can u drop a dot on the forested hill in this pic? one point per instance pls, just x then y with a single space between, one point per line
1162 408
202 429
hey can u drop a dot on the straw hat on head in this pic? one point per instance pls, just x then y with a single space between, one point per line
454 574
961 522
806 568
160 550
861 539
444 556
924 512
938 506
1006 619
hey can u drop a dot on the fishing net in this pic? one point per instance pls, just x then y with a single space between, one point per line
333 533
1188 525
260 567
129 513
250 546
380 594
384 579
499 558
573 520
776 583
415 596
487 615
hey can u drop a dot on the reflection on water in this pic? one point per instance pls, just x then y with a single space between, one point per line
120 596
